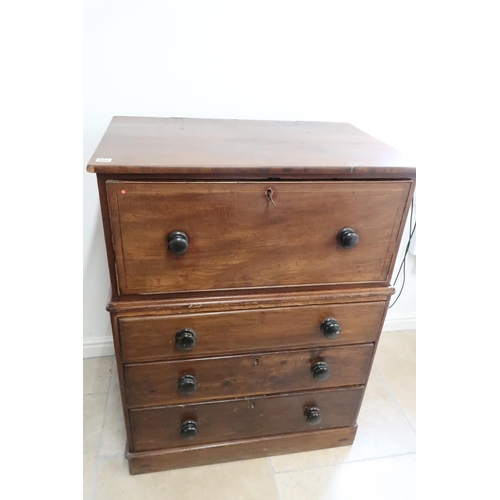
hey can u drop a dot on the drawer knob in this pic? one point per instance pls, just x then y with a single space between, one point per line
178 242
313 415
189 429
330 328
320 370
348 238
187 384
185 339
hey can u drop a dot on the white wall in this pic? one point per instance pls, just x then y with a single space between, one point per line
329 61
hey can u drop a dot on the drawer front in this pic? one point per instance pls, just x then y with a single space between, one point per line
172 382
237 238
157 428
155 338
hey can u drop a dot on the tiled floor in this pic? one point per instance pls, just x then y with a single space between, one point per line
380 463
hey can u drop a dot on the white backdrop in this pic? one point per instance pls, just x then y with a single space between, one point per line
355 62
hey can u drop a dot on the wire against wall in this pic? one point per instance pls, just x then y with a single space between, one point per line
403 264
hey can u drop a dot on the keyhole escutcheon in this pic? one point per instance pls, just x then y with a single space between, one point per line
269 196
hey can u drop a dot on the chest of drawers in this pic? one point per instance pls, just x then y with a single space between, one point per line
250 266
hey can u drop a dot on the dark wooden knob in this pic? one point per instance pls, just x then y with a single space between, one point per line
330 328
185 339
178 242
320 370
187 384
348 238
313 415
189 429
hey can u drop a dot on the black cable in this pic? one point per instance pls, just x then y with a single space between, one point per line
403 264
408 244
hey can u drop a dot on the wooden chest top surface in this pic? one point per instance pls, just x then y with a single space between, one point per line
252 149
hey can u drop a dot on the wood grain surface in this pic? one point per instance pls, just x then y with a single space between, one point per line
153 384
239 240
152 338
204 148
157 428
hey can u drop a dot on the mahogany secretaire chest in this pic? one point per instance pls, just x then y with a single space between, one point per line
250 266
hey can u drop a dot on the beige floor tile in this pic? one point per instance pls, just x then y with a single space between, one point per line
114 435
246 480
396 362
93 416
96 373
391 478
383 430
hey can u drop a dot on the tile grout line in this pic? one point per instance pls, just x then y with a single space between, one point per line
273 472
116 455
96 462
338 464
393 395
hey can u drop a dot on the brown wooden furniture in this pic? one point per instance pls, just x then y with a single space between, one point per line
250 266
